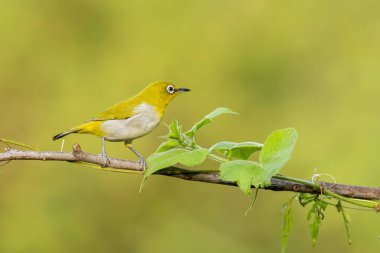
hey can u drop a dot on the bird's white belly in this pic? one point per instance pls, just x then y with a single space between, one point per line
143 122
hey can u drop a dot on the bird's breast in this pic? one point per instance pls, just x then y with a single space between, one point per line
143 121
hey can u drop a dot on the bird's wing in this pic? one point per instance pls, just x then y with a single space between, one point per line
122 110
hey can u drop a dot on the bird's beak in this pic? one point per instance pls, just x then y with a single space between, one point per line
182 90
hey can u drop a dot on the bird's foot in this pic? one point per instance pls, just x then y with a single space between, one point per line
141 158
142 164
106 162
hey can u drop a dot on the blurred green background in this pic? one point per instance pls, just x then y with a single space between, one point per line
312 65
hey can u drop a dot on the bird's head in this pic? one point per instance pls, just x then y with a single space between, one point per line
161 93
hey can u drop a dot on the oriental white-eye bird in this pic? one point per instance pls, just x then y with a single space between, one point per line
131 118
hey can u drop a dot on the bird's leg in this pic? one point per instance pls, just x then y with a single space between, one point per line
141 158
104 154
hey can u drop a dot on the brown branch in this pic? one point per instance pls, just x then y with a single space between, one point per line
77 155
350 191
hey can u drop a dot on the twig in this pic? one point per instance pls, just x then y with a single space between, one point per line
280 183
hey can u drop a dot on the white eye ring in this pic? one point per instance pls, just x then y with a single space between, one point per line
170 89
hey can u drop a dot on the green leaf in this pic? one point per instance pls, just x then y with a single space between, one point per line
169 144
174 130
315 222
287 224
244 173
242 150
316 216
306 198
277 149
173 156
208 119
346 219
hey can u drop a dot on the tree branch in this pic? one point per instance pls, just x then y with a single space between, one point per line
120 165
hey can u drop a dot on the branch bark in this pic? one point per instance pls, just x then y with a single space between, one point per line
77 155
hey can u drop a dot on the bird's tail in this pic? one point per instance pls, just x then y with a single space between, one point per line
63 134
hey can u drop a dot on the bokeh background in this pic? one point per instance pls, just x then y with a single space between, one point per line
312 65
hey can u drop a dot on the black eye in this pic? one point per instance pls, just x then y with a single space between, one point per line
170 89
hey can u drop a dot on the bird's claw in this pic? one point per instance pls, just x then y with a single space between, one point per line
106 162
142 165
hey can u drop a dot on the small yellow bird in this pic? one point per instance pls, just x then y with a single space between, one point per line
130 119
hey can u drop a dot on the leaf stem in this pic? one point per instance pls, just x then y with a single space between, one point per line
297 180
358 202
218 158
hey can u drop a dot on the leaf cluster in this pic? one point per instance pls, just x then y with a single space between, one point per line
235 165
316 214
180 147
